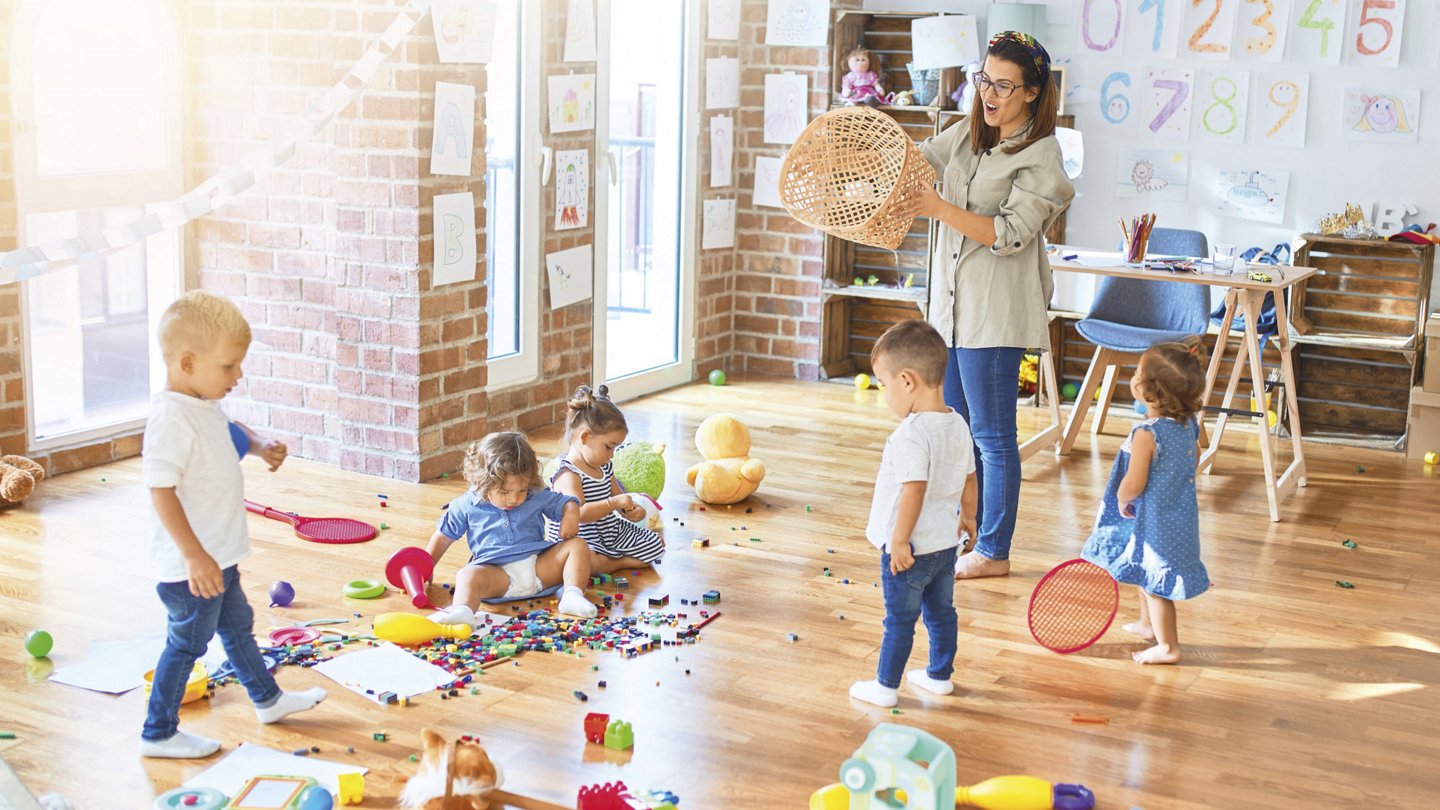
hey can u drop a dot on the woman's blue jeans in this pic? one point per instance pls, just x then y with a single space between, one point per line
192 623
982 386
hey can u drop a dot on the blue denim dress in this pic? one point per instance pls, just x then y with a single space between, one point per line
1158 549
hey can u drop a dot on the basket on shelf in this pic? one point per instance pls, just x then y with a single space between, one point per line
924 84
846 172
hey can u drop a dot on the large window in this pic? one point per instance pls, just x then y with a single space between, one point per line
97 140
511 195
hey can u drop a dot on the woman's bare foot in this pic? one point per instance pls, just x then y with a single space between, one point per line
1140 629
1159 654
974 565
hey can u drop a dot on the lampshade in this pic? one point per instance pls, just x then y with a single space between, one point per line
1027 18
947 40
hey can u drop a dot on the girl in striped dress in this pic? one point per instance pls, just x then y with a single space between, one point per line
593 429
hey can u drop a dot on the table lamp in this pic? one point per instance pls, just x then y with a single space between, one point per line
939 42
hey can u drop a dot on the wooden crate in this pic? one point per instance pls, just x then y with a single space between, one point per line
1346 390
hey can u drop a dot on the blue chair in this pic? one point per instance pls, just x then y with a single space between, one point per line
1130 315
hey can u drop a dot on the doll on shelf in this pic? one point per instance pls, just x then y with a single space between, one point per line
861 85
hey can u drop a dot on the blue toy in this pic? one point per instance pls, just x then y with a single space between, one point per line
891 759
316 798
184 798
239 439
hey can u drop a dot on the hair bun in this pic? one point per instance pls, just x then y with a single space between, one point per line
603 392
581 399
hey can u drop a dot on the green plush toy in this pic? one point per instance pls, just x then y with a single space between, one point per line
548 473
640 468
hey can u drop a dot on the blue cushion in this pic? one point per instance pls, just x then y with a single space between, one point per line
1123 338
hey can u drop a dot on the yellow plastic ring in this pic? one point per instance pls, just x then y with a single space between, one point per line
364 588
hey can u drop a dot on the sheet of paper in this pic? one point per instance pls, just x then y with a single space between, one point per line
117 666
722 150
944 41
464 29
1152 174
1381 115
451 147
1254 194
230 774
786 111
572 189
454 238
722 83
797 22
718 224
580 31
571 275
724 19
571 102
385 668
767 181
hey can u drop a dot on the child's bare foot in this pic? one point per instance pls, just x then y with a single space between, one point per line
1140 629
974 565
1159 654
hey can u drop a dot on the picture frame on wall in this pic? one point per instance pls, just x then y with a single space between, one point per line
1058 75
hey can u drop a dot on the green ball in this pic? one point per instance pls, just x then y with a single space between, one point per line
1069 390
717 377
38 643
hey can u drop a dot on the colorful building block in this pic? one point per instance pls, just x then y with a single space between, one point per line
352 788
622 583
659 601
711 597
609 796
700 542
619 735
595 725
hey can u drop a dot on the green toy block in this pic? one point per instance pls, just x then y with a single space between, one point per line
619 735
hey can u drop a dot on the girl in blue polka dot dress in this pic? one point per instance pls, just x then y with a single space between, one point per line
1148 530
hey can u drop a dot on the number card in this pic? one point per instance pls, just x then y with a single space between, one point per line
1152 28
1116 91
1260 29
1101 24
1222 98
1282 103
1168 100
1378 25
1208 29
1316 37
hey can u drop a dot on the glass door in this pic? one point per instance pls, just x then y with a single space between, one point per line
644 197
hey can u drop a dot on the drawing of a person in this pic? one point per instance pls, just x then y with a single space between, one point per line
1383 114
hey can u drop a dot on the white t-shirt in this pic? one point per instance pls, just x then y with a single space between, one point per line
933 447
188 446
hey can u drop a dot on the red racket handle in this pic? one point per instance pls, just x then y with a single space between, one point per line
273 514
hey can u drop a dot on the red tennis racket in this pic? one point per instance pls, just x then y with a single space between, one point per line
319 530
1073 606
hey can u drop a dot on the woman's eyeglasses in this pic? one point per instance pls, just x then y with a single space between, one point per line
1002 89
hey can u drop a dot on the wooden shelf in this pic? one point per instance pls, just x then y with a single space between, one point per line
915 295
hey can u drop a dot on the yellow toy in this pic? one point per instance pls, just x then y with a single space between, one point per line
352 788
728 474
407 628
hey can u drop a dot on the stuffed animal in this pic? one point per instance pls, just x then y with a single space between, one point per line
640 467
468 784
728 474
17 479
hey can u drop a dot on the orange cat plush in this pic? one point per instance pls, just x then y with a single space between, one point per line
453 776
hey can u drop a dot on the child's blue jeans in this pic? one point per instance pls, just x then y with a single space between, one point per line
926 589
192 623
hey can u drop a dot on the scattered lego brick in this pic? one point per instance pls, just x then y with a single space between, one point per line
660 601
711 597
619 736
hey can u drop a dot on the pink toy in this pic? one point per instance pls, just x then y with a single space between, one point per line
410 568
319 530
861 85
609 796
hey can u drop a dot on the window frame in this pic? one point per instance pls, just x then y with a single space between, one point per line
524 366
80 192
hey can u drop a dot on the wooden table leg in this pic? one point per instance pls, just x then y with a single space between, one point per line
1047 386
1217 356
1082 401
1254 300
1107 393
1295 475
1237 370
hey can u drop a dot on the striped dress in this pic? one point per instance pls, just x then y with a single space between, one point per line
612 535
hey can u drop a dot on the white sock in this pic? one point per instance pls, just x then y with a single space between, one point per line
290 703
574 603
874 692
455 614
180 746
919 678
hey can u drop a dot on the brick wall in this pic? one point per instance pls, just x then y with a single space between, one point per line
778 260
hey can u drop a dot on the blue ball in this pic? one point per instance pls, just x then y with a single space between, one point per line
316 798
239 439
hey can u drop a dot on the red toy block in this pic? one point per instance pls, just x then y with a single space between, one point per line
609 796
595 724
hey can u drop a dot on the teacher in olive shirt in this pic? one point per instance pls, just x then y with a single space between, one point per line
990 284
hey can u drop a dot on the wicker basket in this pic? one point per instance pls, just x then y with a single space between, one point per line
846 171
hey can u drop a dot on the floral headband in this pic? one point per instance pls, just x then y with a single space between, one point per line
1031 46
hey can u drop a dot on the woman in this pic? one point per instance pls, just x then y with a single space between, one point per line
1003 184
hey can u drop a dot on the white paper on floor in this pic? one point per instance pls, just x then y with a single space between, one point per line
117 666
230 774
385 668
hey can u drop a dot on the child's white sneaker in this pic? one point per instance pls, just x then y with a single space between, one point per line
918 677
455 614
875 693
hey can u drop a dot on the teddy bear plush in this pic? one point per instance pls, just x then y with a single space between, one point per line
17 479
728 474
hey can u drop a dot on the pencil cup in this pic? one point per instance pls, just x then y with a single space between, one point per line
1135 244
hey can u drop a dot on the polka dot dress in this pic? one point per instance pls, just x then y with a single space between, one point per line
1158 549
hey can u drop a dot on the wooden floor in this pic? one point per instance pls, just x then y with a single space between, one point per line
1294 693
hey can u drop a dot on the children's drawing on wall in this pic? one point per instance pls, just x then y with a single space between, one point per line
767 182
1152 28
722 83
464 29
1374 117
1375 30
1222 99
1254 194
718 224
580 31
944 41
786 112
1317 32
572 189
1169 97
569 272
724 19
454 129
1282 107
1260 34
1152 174
722 150
1208 30
797 22
1072 151
454 238
572 102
